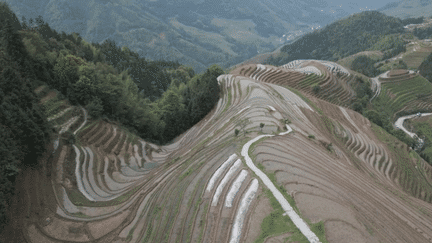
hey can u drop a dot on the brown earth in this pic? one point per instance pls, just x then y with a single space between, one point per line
346 177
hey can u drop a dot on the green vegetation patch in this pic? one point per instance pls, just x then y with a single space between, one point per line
403 162
276 224
402 93
310 80
424 130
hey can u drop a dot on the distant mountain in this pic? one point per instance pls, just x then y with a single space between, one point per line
365 31
408 9
197 33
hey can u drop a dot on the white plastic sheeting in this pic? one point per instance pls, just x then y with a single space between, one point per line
67 204
103 196
78 175
111 184
234 188
224 181
242 210
242 110
272 108
219 171
301 225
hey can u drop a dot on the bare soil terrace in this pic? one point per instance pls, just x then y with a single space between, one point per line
352 177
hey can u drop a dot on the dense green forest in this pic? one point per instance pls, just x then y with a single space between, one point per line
408 21
369 30
423 33
157 100
24 131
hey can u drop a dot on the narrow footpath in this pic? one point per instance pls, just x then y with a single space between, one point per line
377 83
303 227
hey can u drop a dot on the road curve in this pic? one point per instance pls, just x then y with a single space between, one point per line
400 121
304 228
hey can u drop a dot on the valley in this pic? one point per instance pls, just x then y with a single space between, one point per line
111 186
333 145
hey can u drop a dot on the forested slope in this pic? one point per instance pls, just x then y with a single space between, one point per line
359 32
156 100
23 130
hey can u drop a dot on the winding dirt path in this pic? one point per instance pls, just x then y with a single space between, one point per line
304 228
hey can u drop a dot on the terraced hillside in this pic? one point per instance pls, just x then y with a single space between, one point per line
403 91
345 179
336 84
416 53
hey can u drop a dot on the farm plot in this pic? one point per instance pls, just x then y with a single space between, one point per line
349 179
298 65
337 90
404 95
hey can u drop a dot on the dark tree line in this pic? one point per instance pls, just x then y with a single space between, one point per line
24 131
423 33
425 68
408 21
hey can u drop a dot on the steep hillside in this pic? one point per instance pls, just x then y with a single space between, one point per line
370 30
425 68
347 61
344 176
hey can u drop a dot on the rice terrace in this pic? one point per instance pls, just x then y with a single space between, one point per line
312 150
332 174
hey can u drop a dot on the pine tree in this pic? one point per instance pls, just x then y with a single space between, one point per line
24 22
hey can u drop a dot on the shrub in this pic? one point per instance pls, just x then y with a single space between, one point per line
285 121
69 137
311 136
95 108
357 107
364 65
261 126
236 132
330 147
374 117
316 88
